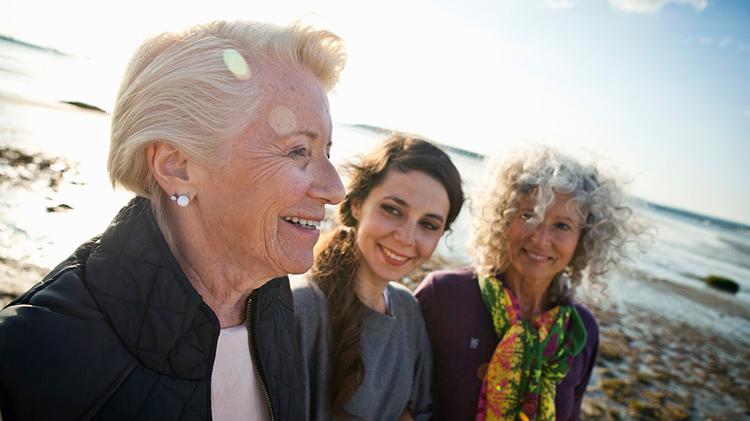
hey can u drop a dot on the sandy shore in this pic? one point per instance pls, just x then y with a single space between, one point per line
649 366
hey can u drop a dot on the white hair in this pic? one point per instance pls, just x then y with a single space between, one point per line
608 219
196 90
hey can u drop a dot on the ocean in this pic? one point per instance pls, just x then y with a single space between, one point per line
59 195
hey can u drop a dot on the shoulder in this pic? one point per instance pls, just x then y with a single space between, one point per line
447 279
400 292
450 277
62 296
589 321
305 292
592 328
446 283
56 340
401 297
406 309
310 305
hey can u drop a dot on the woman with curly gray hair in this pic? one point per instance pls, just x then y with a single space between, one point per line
509 341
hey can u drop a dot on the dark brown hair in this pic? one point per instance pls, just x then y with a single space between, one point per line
337 256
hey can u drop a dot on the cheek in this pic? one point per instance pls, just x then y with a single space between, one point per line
568 247
427 245
517 233
374 224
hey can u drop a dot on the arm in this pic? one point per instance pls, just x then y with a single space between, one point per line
592 348
311 315
420 403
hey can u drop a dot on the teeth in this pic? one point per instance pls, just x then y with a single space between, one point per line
300 221
535 256
394 256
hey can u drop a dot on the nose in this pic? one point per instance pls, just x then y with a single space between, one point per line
326 185
404 233
540 235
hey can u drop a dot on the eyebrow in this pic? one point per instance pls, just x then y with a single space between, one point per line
567 219
402 202
306 133
309 134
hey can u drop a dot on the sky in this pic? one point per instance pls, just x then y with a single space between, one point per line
656 91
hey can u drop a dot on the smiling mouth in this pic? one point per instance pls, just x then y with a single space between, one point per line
303 223
535 256
394 257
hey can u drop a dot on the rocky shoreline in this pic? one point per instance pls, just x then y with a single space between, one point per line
649 367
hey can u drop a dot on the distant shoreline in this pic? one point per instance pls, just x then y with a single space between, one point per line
698 217
30 45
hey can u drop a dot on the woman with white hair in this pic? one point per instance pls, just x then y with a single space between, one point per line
181 309
509 341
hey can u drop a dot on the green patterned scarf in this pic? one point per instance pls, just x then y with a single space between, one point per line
531 358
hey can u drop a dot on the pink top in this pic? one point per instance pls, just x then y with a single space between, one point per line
235 391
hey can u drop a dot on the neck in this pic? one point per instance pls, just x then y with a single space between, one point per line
532 294
223 280
370 291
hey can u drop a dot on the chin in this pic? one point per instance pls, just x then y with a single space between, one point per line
298 266
396 276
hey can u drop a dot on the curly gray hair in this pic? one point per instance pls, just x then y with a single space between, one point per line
608 226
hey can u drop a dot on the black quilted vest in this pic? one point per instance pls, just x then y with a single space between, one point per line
116 332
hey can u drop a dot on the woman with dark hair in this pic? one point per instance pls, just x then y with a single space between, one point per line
363 338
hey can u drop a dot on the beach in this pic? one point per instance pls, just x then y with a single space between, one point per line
649 366
671 347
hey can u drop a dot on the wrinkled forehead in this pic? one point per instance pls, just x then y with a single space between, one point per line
288 101
296 89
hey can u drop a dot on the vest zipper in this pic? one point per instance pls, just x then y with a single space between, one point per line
250 312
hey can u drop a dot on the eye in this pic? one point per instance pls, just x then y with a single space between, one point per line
299 153
391 210
563 226
525 216
430 226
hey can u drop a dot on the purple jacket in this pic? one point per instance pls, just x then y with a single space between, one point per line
463 339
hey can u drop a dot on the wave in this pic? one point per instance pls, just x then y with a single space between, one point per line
701 218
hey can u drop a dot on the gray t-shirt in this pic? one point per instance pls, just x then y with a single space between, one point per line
395 351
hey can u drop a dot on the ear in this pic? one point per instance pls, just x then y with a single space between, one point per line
355 208
169 167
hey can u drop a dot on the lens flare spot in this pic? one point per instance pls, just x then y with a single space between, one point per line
282 120
236 64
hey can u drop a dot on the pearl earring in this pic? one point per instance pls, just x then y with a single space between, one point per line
182 200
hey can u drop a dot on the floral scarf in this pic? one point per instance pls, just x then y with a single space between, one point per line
530 359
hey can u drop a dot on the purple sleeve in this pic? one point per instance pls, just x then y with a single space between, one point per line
590 351
424 294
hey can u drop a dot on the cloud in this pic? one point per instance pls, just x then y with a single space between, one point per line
718 42
559 4
747 113
653 6
726 41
